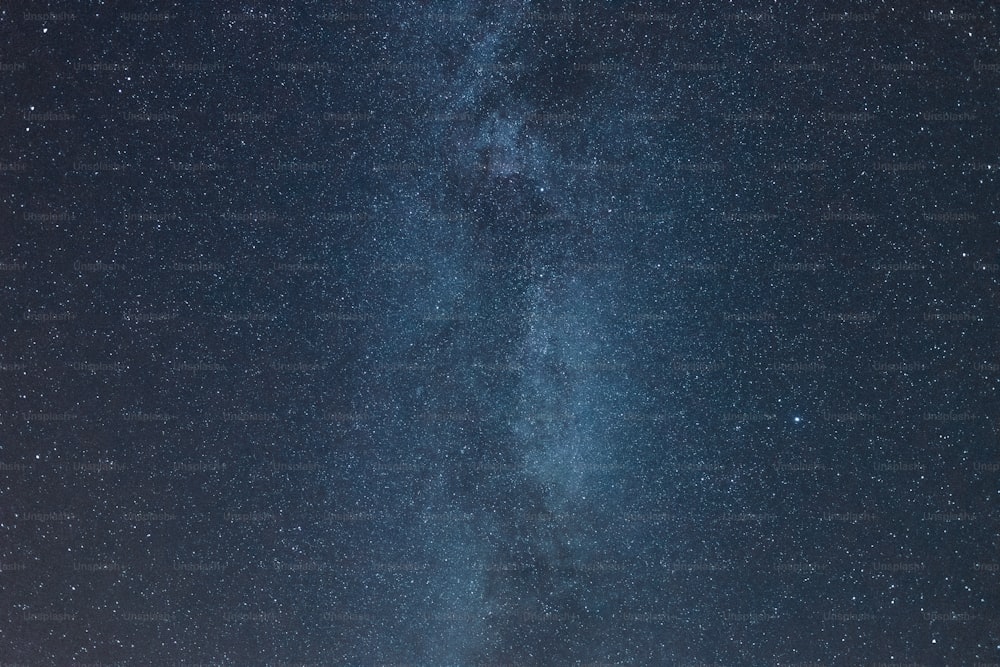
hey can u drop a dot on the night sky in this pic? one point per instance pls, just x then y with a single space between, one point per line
500 332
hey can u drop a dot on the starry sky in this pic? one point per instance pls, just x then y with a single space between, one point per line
507 332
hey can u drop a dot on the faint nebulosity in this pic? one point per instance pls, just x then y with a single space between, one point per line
500 333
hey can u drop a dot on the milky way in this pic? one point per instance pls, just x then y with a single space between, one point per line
513 332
